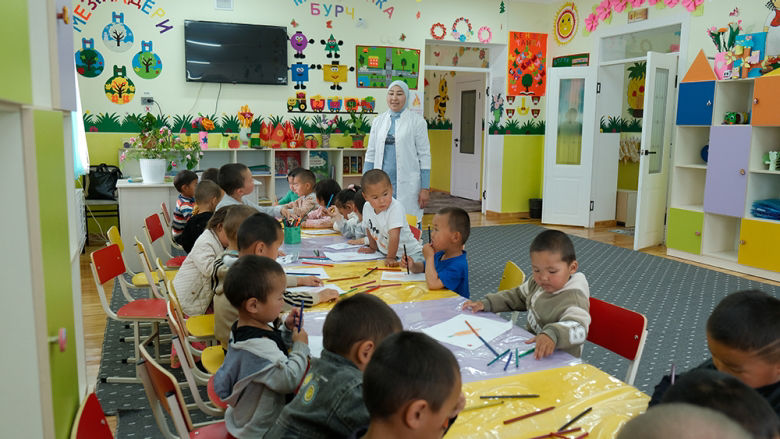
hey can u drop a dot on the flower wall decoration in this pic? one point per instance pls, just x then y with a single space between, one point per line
603 10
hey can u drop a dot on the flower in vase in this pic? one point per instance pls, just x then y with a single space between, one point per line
591 22
122 157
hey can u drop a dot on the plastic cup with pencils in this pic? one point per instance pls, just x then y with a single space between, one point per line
292 234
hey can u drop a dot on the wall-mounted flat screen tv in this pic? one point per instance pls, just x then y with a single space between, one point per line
235 53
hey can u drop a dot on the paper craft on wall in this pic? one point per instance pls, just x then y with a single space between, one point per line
378 66
525 64
146 63
117 35
89 62
300 75
335 73
440 100
332 46
566 22
119 88
298 41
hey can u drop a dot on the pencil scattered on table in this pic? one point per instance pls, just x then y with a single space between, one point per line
480 337
482 406
343 278
528 352
369 272
384 269
353 289
508 360
553 434
517 358
302 274
364 283
316 263
528 415
372 289
530 395
498 357
388 285
576 418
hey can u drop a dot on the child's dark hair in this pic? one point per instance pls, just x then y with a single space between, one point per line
359 201
234 218
346 195
294 172
258 227
728 395
748 321
252 276
206 191
325 189
210 174
305 176
219 217
231 178
183 178
554 241
361 317
374 176
408 366
459 221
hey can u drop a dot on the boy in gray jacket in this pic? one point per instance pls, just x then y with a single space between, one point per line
259 374
556 297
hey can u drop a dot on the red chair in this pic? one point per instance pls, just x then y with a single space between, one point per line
90 422
620 330
107 265
165 396
154 231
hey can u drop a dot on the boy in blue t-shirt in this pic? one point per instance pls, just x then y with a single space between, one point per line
446 265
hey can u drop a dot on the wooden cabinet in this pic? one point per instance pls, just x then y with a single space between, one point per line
759 241
766 101
724 191
685 228
694 103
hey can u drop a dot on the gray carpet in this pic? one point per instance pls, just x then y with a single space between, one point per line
440 200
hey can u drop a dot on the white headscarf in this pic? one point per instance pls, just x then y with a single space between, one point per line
404 88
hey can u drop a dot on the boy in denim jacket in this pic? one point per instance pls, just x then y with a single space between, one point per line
329 402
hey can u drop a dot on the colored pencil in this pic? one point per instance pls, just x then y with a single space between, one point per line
582 435
353 289
302 274
555 434
388 285
559 432
508 360
482 406
480 337
369 272
317 253
316 263
429 234
343 278
329 200
312 257
571 430
517 359
498 357
528 352
407 262
300 318
364 283
384 269
528 415
576 418
508 396
372 289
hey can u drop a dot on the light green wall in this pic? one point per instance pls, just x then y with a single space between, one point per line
441 158
628 176
50 156
521 172
15 71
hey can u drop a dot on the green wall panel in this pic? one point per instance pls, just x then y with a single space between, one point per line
15 71
521 174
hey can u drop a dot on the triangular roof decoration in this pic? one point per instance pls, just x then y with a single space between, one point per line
700 70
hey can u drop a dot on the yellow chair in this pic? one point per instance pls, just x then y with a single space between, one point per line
199 327
513 277
141 278
212 357
138 280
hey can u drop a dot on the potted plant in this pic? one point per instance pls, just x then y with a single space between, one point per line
245 118
326 128
203 125
357 127
158 150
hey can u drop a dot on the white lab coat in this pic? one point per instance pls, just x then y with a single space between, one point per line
412 150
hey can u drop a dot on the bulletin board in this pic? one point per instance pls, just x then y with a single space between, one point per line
378 66
526 74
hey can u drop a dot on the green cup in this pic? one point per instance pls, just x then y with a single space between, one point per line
292 235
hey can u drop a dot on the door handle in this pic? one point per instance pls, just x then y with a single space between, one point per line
456 142
648 152
709 103
741 172
755 100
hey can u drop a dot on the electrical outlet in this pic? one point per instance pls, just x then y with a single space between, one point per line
147 100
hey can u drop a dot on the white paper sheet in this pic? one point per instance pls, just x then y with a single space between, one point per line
456 332
286 259
403 277
343 246
319 232
315 345
353 256
317 289
307 271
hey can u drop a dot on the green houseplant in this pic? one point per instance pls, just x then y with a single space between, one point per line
357 127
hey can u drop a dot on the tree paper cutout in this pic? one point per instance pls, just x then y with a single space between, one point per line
119 88
117 36
526 71
332 46
89 62
146 63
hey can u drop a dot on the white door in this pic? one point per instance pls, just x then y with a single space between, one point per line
467 139
655 149
568 145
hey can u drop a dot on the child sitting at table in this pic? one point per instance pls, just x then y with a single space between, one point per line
556 297
192 281
207 196
325 192
261 235
237 182
290 196
330 400
411 388
303 185
385 221
347 213
259 373
681 421
728 395
743 335
184 182
445 264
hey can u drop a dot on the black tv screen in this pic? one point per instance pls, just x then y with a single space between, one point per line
235 53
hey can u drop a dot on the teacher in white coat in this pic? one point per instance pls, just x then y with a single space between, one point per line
398 144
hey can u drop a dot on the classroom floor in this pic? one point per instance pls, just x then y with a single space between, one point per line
94 319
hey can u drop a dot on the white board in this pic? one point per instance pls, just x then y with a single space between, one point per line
456 332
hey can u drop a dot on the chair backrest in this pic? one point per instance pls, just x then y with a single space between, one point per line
513 277
108 263
163 390
178 328
147 266
90 422
154 227
114 237
620 330
166 214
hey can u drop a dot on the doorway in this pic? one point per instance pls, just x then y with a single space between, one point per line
468 100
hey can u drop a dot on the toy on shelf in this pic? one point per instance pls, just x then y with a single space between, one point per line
736 118
299 102
770 159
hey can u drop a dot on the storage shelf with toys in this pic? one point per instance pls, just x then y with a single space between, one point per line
721 169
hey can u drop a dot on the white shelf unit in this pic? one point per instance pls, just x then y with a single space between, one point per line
732 95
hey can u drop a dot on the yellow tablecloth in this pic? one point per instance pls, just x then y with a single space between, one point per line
570 389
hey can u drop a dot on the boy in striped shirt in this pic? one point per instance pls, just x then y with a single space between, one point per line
184 182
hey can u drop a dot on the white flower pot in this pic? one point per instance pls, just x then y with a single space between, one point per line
153 170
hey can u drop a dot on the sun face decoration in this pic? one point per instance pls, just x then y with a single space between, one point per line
566 21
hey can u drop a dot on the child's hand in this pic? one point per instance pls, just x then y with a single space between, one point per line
365 249
355 242
474 306
284 212
291 321
428 251
333 212
309 281
391 262
545 346
328 295
301 336
407 261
